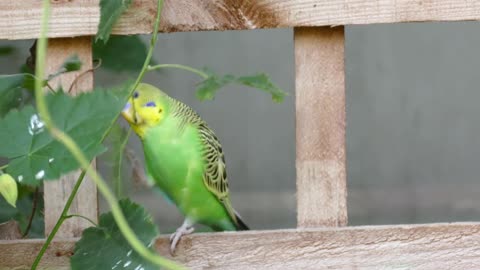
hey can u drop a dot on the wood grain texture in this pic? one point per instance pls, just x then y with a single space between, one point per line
57 192
416 247
320 126
21 19
20 254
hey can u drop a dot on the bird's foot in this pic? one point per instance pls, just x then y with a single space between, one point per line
177 235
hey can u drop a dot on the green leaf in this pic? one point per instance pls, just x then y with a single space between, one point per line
207 89
23 211
262 82
34 155
10 92
110 11
104 247
121 53
72 63
6 50
8 189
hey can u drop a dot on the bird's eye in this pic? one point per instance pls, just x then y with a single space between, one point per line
150 104
135 95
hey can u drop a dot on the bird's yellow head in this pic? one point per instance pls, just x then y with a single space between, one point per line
147 107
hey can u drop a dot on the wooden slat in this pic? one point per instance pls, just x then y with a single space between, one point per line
57 192
320 126
21 19
425 247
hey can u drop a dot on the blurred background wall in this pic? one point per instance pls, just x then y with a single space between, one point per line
413 150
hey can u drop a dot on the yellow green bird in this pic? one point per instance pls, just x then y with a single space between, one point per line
183 158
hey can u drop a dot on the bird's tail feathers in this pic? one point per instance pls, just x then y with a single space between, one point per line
240 224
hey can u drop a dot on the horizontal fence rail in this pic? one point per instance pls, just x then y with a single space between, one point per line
433 246
21 19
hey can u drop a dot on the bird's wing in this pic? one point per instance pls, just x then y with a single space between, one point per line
215 175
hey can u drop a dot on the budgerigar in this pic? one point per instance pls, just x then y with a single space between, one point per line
184 159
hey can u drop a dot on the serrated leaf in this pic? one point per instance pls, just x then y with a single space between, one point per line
104 247
121 53
8 189
10 92
34 155
262 82
207 89
110 11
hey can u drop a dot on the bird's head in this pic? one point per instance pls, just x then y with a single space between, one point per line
147 107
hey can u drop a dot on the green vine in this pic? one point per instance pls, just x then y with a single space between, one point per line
177 66
61 219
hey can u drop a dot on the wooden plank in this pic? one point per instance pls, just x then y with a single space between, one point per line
425 247
57 192
320 126
21 19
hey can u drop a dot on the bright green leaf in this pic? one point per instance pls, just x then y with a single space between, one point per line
262 82
104 247
110 11
8 189
34 155
121 53
10 92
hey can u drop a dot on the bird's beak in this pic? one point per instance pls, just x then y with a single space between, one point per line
128 113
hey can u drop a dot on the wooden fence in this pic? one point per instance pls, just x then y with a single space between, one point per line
319 36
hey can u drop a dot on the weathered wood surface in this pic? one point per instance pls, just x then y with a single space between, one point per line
21 19
320 126
57 192
425 247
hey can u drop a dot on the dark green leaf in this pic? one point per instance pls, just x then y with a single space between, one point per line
262 82
121 53
10 92
104 247
110 11
23 211
34 155
6 50
72 63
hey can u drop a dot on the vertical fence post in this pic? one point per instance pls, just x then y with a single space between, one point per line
320 126
57 192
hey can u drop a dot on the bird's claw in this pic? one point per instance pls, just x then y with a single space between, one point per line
177 235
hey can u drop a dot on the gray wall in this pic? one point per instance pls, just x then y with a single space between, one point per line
412 105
